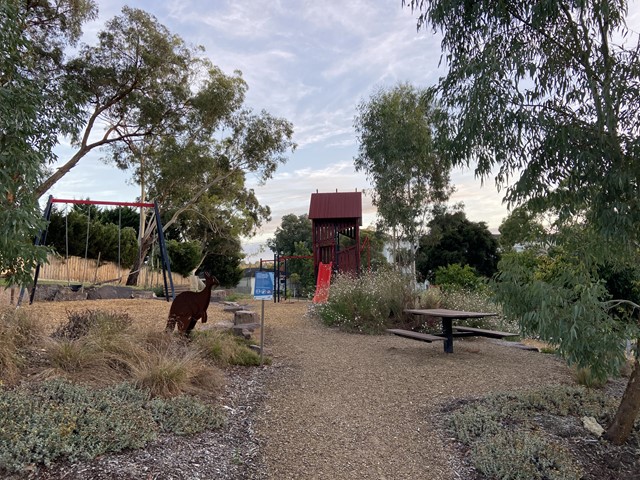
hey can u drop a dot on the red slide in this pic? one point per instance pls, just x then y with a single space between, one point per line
322 285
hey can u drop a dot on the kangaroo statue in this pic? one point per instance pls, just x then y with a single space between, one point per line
189 307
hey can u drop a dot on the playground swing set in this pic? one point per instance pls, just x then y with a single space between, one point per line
169 290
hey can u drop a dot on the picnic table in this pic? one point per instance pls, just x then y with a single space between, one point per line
449 331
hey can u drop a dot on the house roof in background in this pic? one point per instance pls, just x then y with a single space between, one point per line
336 205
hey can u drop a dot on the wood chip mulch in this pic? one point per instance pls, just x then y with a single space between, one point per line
332 405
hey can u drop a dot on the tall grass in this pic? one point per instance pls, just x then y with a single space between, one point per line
478 300
226 349
365 303
100 348
175 367
18 332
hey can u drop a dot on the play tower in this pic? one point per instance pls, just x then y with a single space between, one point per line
336 219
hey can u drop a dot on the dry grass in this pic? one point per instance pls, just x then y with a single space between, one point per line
17 333
101 343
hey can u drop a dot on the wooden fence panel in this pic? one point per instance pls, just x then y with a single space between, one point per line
78 270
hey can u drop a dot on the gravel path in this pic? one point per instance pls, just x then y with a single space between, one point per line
353 406
331 406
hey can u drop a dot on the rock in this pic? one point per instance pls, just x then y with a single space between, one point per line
245 316
218 295
232 308
593 426
67 294
109 292
245 330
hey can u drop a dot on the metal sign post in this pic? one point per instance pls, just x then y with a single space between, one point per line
263 290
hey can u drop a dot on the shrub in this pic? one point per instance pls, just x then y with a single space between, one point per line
364 304
500 431
56 419
524 456
477 301
473 423
457 276
431 298
185 415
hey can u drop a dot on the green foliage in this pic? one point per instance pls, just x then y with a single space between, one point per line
226 349
520 227
563 301
501 431
365 304
396 150
185 415
454 239
292 230
184 256
67 235
225 267
455 276
57 420
26 144
545 94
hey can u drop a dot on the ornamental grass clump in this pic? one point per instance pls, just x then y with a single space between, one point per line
17 333
172 367
365 303
226 349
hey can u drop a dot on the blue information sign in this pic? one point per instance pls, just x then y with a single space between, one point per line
263 289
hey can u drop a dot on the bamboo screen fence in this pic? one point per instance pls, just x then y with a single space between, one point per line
77 270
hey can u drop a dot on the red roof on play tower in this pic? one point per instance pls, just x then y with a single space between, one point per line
336 205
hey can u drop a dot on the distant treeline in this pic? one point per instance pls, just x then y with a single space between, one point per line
112 234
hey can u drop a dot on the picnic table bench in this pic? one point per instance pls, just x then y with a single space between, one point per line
449 331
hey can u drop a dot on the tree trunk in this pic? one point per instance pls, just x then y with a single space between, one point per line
622 425
145 246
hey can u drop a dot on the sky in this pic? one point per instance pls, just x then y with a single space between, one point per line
312 63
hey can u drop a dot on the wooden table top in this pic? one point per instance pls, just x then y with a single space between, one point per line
445 313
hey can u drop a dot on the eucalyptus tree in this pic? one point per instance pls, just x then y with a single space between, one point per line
546 95
395 129
292 230
204 172
171 117
521 227
31 115
135 83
